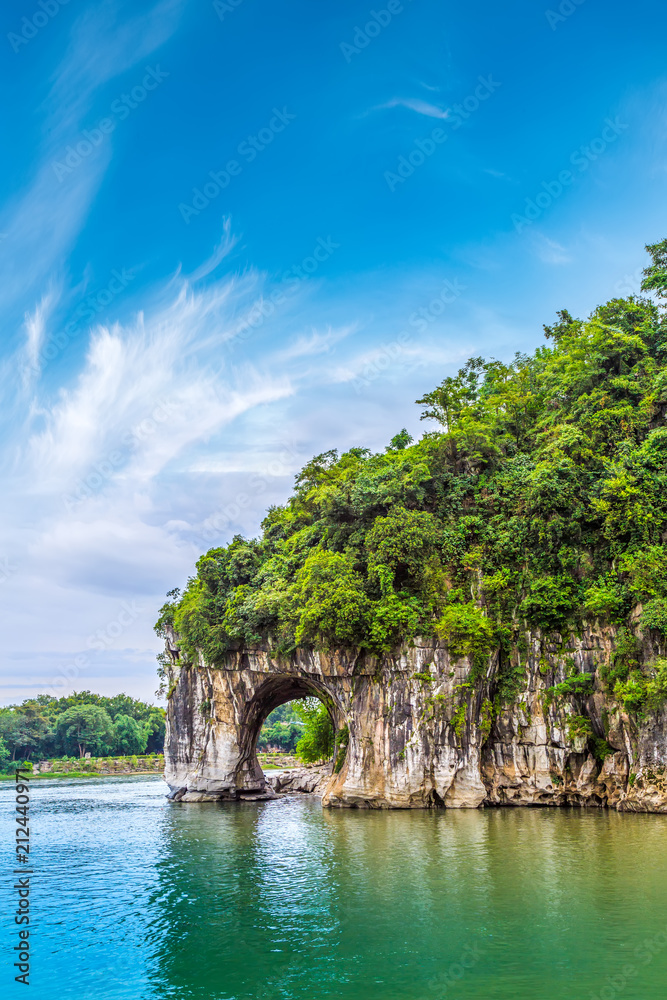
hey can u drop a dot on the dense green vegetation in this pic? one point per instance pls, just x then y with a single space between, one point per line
539 504
77 724
281 730
316 742
302 727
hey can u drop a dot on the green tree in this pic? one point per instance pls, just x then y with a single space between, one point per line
402 549
317 742
155 731
330 606
26 731
29 729
283 735
283 713
85 729
129 736
655 275
400 441
5 756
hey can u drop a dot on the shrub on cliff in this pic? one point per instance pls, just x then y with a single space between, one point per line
466 630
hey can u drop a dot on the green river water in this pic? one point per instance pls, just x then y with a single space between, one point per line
134 897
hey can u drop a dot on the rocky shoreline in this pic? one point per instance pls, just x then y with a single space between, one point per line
422 732
308 780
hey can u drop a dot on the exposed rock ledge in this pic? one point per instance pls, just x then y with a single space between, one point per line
312 780
420 733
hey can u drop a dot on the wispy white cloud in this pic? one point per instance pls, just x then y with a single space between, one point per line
316 342
35 327
496 173
548 250
42 221
158 372
43 224
417 105
220 253
106 41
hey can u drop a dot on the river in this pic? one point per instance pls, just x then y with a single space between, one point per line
135 898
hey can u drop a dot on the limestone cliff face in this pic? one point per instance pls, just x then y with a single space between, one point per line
420 733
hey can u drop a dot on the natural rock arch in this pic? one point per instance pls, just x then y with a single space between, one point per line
420 733
393 758
277 690
215 715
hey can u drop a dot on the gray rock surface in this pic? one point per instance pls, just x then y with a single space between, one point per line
312 780
421 734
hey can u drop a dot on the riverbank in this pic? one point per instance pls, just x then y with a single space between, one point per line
81 774
108 767
94 767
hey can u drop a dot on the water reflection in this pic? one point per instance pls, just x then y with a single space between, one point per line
139 899
286 900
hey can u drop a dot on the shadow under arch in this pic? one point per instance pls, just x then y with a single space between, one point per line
277 690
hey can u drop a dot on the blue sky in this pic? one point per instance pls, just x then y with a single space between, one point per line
236 234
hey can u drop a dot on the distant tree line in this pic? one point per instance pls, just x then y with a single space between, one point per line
80 723
282 729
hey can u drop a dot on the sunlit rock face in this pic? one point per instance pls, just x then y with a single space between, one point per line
421 732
